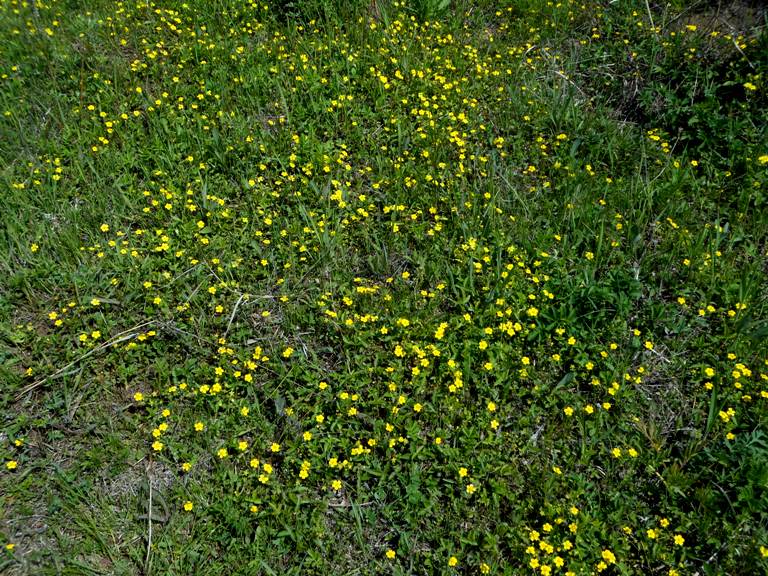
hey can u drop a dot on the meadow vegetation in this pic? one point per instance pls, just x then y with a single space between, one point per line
421 287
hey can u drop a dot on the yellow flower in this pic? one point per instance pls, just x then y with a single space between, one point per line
651 533
463 472
471 488
138 396
336 485
11 464
390 554
188 506
609 557
679 540
104 227
275 447
199 426
452 561
222 453
157 446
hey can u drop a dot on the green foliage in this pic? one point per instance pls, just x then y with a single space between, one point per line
382 287
429 9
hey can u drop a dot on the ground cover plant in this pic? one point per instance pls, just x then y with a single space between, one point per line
383 287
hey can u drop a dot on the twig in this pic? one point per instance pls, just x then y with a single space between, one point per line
148 559
187 271
572 83
684 12
171 328
120 337
736 45
650 17
213 273
234 311
347 504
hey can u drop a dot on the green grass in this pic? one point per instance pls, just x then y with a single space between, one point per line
390 288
